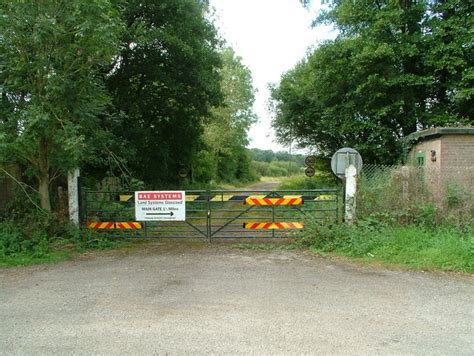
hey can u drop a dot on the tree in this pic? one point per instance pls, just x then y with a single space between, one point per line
381 79
226 133
163 85
50 55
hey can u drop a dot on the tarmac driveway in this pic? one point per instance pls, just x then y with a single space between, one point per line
185 297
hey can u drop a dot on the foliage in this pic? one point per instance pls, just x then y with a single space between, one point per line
319 181
277 164
277 168
395 67
140 90
163 85
270 156
415 246
401 222
51 93
38 239
225 135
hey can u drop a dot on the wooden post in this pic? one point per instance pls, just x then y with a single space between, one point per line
73 195
350 194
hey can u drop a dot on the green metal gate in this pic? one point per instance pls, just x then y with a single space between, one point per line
212 214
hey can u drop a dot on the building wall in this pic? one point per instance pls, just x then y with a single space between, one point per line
458 151
454 165
432 171
457 165
427 146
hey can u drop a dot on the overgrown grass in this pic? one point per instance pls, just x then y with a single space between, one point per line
418 247
319 181
37 240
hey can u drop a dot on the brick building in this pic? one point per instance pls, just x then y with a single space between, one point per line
447 154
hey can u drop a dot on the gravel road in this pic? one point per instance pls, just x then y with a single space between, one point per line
263 186
185 297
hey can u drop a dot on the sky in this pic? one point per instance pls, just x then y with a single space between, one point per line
271 36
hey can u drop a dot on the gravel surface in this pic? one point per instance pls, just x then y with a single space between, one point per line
184 297
263 186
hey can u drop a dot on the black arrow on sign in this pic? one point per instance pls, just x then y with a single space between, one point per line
170 213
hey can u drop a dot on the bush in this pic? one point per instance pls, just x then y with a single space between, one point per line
10 239
30 239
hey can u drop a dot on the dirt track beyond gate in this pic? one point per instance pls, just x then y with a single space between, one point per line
183 297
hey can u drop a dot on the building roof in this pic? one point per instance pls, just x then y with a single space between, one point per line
438 131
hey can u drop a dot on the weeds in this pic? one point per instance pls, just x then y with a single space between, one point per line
416 246
39 239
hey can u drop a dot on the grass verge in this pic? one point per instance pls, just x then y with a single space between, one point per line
27 259
43 241
417 247
58 252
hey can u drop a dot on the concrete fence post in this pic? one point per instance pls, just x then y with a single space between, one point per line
351 190
73 195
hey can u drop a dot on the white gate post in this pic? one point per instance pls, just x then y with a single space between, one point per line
351 190
73 195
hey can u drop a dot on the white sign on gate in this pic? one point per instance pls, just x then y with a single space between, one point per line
160 206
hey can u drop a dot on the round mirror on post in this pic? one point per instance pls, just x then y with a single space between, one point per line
343 158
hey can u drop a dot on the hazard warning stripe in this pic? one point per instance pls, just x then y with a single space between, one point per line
128 225
125 198
273 225
215 197
194 197
285 200
114 225
228 197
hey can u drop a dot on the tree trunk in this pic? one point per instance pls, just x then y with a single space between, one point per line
43 177
45 201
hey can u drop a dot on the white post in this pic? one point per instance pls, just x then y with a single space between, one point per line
73 195
351 189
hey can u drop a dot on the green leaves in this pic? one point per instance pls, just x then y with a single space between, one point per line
395 67
164 85
225 133
51 55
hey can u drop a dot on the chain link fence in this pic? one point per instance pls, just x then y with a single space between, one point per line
408 193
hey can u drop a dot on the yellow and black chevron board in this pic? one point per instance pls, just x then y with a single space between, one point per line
214 197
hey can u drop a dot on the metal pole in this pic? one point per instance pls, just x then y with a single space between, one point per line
273 220
209 219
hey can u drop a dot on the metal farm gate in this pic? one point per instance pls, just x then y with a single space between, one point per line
212 214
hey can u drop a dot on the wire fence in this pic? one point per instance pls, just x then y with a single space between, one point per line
407 192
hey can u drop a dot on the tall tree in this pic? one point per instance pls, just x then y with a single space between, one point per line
164 82
381 79
50 55
225 135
